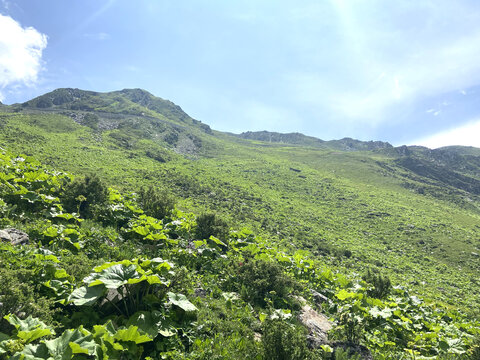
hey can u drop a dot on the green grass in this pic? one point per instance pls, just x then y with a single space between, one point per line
352 210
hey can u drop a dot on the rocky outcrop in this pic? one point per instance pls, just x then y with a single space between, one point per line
318 327
317 324
14 236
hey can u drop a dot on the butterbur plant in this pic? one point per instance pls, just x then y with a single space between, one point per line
124 284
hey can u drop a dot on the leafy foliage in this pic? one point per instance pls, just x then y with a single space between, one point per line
129 285
264 281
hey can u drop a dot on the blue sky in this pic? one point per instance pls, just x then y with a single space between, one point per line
407 72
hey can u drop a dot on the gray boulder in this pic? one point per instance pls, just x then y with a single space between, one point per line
317 325
14 236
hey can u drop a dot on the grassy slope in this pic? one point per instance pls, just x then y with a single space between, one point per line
329 202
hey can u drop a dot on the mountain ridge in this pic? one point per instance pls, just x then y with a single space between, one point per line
357 206
77 99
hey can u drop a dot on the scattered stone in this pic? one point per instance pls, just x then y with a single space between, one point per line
199 292
14 236
317 324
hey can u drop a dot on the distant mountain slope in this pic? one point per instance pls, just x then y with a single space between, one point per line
454 167
275 137
132 114
410 212
122 101
345 144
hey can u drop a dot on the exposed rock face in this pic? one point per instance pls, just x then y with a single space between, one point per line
14 236
317 324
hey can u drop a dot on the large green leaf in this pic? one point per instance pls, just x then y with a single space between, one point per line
152 323
344 294
29 329
132 334
30 323
181 301
384 313
86 295
32 352
29 336
116 276
71 342
107 265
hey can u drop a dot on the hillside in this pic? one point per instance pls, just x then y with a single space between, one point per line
409 213
345 144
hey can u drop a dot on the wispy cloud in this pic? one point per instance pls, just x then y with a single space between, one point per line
5 4
20 53
466 135
132 68
102 9
101 36
389 54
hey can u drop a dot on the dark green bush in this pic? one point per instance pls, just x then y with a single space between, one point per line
263 281
84 194
381 285
19 295
156 202
209 224
284 341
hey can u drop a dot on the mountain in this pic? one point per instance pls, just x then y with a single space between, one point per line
291 138
345 144
409 213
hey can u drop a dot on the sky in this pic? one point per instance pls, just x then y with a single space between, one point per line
406 72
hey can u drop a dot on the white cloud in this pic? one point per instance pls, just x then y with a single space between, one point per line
98 36
467 135
20 53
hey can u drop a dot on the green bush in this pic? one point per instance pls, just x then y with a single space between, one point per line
263 281
381 285
19 295
284 341
84 194
209 224
155 202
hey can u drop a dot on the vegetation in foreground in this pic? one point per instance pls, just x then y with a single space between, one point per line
106 280
362 223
